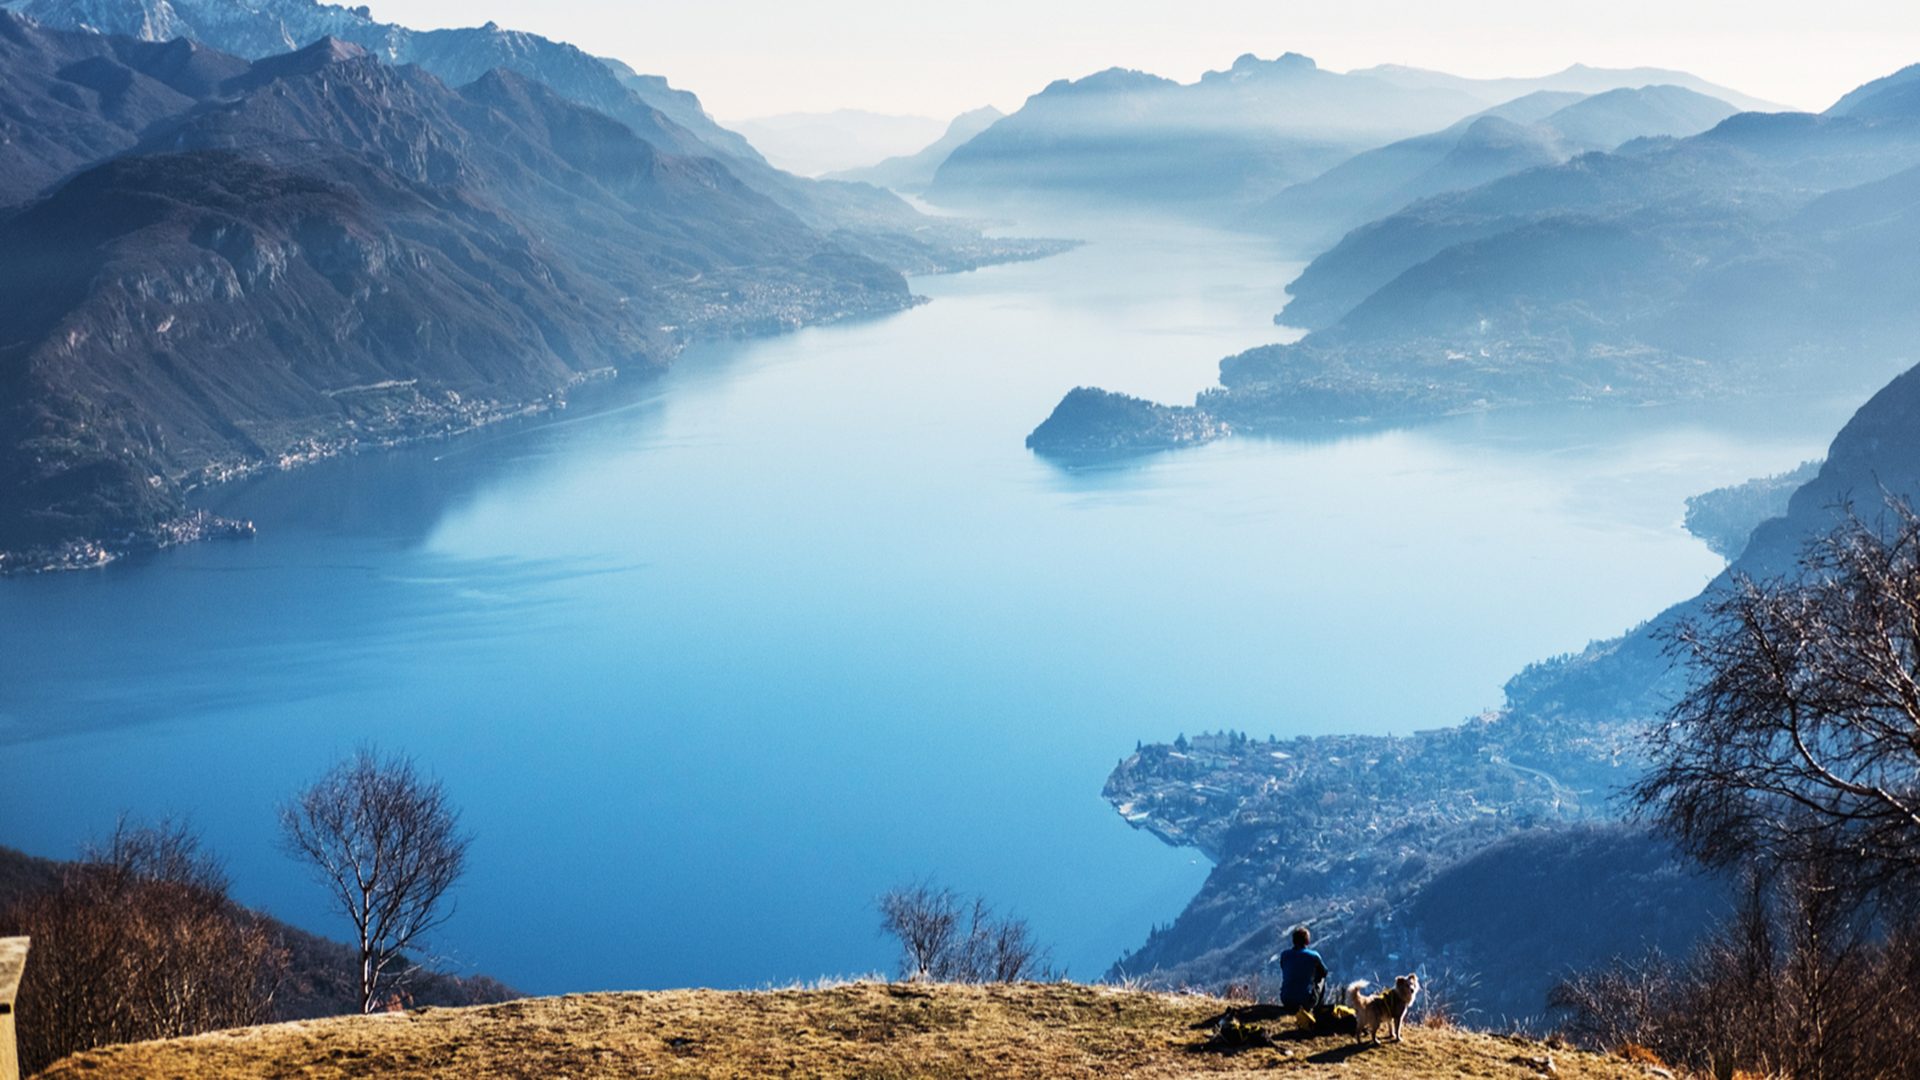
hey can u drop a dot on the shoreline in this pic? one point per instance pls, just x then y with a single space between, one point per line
444 419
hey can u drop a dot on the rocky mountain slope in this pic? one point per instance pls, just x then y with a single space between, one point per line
71 100
1052 1030
260 28
320 251
860 217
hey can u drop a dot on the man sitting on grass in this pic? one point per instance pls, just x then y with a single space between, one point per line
1303 975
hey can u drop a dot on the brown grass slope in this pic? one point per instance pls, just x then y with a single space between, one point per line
867 1030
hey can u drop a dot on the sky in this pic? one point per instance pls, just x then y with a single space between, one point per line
750 58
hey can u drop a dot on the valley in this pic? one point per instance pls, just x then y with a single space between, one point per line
739 545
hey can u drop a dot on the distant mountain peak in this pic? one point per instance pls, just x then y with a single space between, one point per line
323 53
331 50
1248 66
1112 80
1287 61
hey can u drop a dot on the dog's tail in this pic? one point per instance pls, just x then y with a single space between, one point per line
1354 996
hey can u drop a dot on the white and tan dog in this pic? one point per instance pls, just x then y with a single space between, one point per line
1388 1007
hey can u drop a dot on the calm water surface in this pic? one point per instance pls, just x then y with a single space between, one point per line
712 665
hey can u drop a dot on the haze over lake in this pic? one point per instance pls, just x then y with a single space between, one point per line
712 661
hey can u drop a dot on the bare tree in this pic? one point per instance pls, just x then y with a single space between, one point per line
925 919
140 941
1011 954
1799 737
387 846
945 937
1795 984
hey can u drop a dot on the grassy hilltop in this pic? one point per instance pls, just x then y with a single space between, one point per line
868 1030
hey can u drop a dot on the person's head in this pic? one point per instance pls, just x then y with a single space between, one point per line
1302 937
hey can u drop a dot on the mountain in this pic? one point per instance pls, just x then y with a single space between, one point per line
327 252
258 28
912 173
1605 120
810 144
1578 79
1897 94
1771 253
1542 128
1725 517
861 217
71 100
1753 168
1228 140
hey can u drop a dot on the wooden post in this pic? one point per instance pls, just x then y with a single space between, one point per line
13 960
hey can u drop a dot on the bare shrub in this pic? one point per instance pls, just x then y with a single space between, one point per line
1798 983
386 844
945 937
139 941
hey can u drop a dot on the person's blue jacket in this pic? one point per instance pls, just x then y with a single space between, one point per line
1301 974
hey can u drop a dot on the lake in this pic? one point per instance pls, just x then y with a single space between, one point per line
713 660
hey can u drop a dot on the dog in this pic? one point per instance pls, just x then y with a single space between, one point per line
1388 1007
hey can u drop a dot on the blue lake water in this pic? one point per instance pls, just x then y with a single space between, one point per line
711 665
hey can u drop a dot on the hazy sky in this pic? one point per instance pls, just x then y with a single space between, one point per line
754 57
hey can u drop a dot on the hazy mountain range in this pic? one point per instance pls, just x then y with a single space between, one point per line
814 143
1769 252
1140 139
1544 127
1578 79
912 173
1240 136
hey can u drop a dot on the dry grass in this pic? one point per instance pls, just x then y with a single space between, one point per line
871 1031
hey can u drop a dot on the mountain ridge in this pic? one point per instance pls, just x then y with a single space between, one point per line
1541 128
1229 137
328 252
864 218
1577 77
